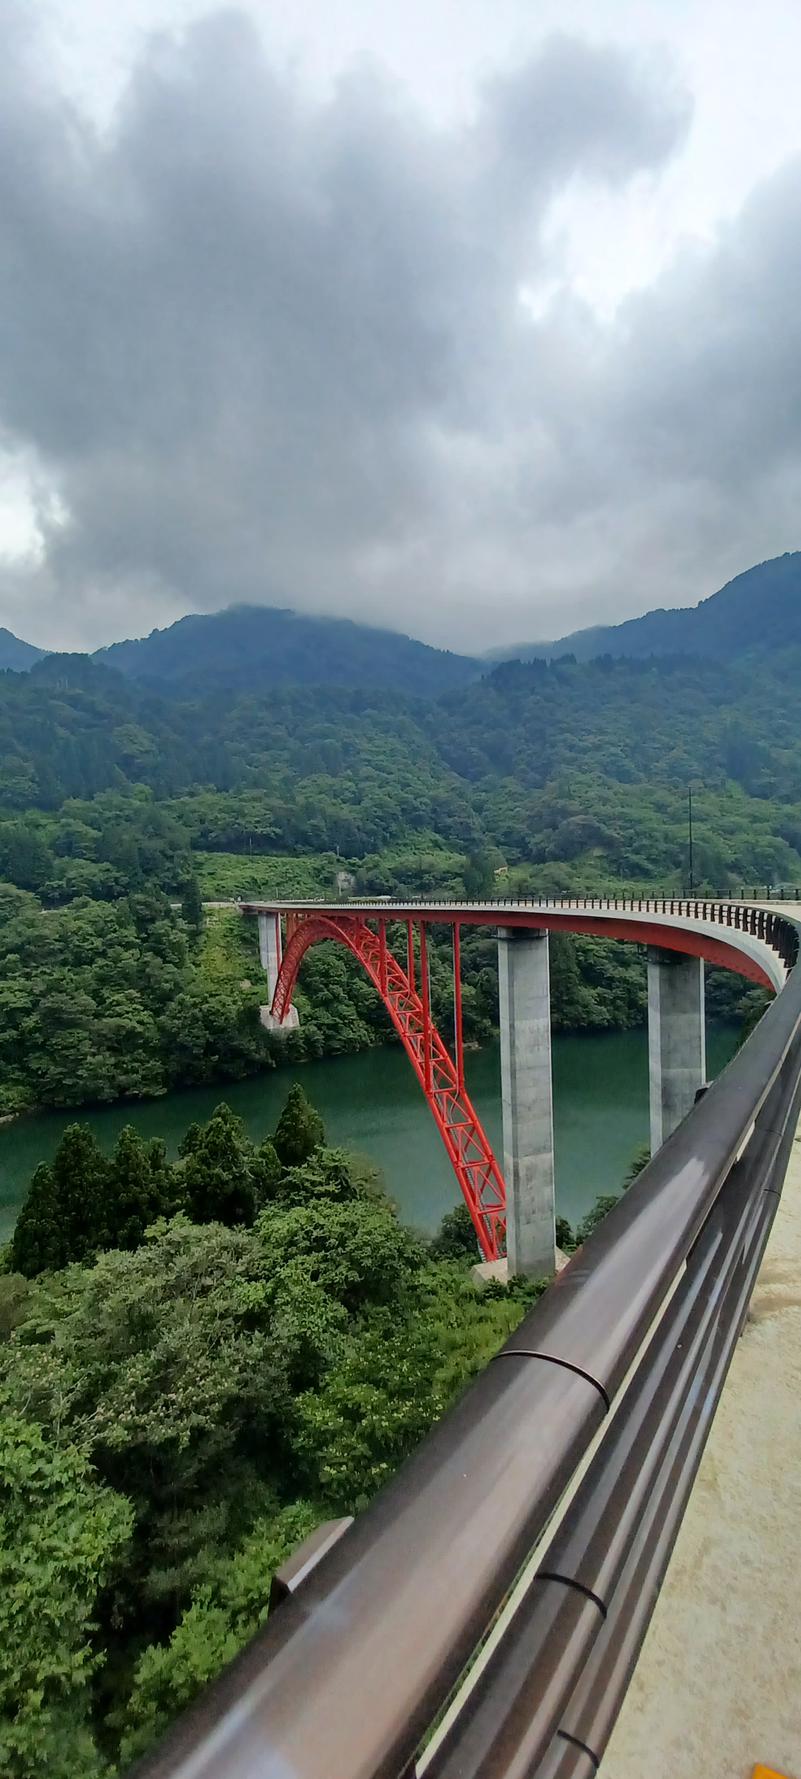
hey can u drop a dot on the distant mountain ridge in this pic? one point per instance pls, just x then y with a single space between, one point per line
248 647
253 647
16 654
760 608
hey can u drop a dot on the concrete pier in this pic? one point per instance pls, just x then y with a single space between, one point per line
676 1039
270 953
270 949
525 1010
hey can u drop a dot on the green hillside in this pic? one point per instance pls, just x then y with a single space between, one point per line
252 646
577 769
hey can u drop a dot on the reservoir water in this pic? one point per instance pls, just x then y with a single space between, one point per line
372 1103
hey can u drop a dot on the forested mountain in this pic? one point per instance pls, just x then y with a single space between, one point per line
252 646
249 647
758 609
541 777
16 654
610 744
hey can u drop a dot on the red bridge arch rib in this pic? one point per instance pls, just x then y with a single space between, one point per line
440 1076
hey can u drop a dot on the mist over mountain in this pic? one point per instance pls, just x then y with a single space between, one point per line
760 608
250 646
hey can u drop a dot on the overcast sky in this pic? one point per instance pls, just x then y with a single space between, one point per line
478 318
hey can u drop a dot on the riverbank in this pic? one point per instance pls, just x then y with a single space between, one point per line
371 1102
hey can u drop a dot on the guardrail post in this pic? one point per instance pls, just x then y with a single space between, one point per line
527 1096
676 1039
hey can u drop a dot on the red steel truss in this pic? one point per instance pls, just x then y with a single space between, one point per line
441 1078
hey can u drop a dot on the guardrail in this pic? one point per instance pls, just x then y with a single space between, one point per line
619 1367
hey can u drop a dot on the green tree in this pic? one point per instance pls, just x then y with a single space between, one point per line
190 1140
64 1217
213 1376
565 1238
226 1610
328 1174
169 1368
478 875
192 904
15 1301
299 1129
604 1203
266 1172
37 1243
62 1537
456 1237
357 1252
218 1182
351 1435
141 1187
639 1160
25 857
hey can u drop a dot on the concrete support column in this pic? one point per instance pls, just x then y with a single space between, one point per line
270 951
525 1006
676 1039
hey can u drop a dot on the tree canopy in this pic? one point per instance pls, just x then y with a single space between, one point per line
177 1413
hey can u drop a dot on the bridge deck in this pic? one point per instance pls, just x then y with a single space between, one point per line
630 920
718 1684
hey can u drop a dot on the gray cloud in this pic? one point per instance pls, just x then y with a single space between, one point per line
275 350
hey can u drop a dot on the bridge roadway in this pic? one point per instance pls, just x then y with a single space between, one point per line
642 920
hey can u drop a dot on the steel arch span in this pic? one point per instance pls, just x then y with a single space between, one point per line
748 939
441 1076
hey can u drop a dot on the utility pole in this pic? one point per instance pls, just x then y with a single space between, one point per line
690 835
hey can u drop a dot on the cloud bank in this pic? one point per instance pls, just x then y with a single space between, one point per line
258 347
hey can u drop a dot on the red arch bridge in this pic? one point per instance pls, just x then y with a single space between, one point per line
482 1617
512 1205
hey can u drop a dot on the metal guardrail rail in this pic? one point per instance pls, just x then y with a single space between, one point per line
347 1679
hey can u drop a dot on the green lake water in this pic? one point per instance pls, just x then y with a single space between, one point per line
372 1103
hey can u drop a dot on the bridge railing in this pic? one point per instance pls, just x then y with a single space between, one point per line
488 1606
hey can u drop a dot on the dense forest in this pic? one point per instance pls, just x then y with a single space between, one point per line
581 768
122 808
198 1363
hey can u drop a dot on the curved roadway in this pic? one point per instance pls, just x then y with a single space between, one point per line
638 922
